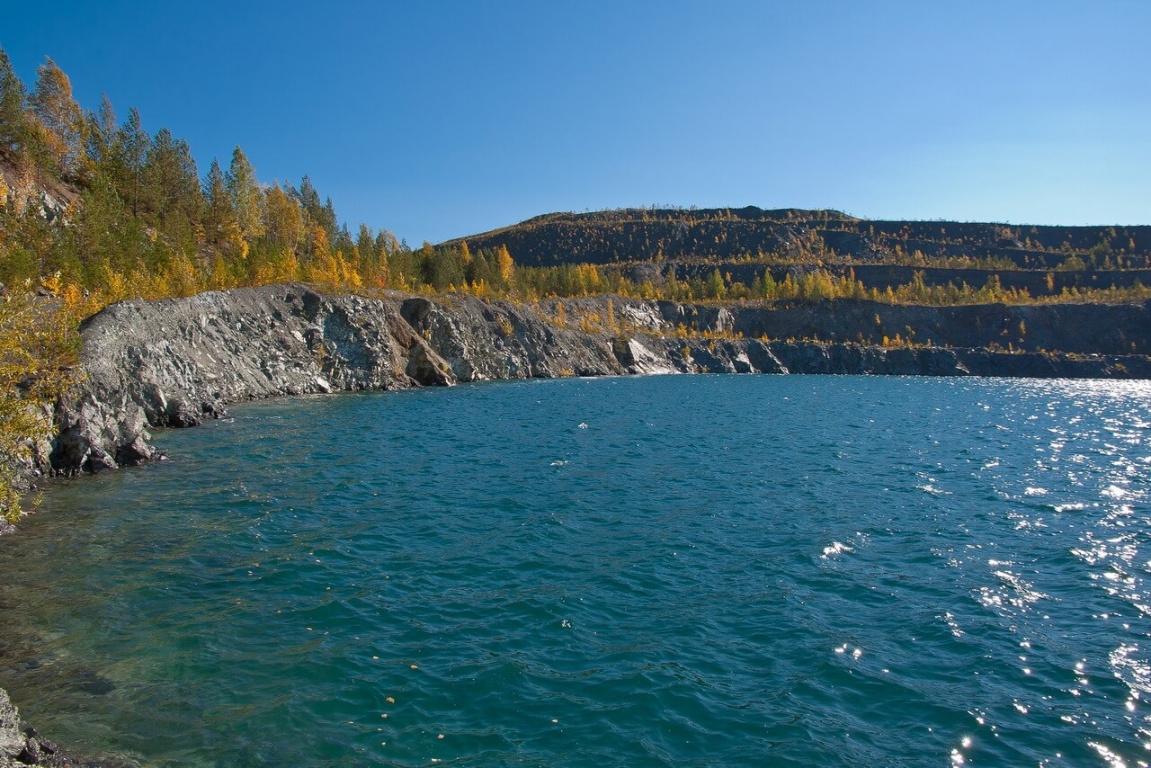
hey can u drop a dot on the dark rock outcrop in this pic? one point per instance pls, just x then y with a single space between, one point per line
1116 329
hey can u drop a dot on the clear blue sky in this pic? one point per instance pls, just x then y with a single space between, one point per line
440 119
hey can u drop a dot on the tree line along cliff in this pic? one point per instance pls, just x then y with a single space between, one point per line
117 212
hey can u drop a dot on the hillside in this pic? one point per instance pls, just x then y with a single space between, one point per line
746 243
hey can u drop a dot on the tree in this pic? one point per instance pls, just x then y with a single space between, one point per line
368 261
59 119
385 244
442 267
109 238
131 149
102 134
310 201
13 126
715 287
344 243
477 268
327 218
283 219
505 265
244 189
38 347
171 186
219 216
322 267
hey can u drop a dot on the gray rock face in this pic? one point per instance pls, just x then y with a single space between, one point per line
11 738
176 362
22 745
484 340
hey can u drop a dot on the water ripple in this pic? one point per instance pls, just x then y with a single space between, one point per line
674 571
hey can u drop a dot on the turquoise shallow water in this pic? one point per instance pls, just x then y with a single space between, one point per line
683 571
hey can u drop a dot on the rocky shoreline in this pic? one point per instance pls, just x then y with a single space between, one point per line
22 745
178 362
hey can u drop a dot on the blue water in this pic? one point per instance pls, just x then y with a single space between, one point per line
690 571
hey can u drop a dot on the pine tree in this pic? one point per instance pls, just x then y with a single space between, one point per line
102 135
367 261
132 150
442 267
219 216
13 126
344 243
328 220
716 289
244 189
477 270
310 201
109 239
385 244
171 186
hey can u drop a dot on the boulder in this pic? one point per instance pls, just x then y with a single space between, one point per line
12 740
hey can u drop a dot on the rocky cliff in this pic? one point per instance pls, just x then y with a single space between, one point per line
176 362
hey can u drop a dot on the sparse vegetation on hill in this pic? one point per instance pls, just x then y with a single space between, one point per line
749 253
792 235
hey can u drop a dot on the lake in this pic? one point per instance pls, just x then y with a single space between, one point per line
674 570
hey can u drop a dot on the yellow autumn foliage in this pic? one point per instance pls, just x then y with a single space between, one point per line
39 346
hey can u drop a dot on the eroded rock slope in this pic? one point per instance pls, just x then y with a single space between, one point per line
176 362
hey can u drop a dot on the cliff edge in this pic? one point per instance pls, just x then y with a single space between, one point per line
176 362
